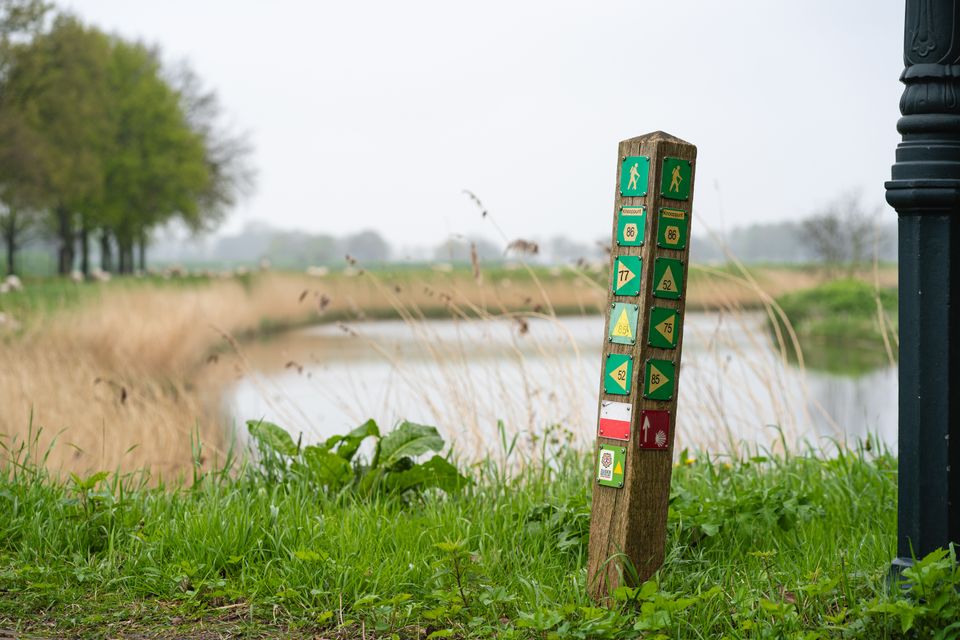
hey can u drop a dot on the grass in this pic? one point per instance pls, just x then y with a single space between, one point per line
847 325
759 546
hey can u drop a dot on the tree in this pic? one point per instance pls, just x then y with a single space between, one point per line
367 247
57 84
842 233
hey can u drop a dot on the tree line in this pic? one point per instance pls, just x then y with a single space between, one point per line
101 143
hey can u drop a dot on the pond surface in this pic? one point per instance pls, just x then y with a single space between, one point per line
466 375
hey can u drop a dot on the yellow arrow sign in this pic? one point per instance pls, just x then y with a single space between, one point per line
667 281
666 329
624 275
657 379
617 470
619 375
622 328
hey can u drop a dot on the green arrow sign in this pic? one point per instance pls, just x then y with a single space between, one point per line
623 323
617 374
658 380
626 275
663 328
667 278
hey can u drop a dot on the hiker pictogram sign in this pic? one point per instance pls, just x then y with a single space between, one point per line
634 173
675 179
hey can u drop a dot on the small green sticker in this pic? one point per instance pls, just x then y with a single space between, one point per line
667 278
617 374
675 181
623 323
663 328
611 465
658 380
630 226
633 175
672 229
626 275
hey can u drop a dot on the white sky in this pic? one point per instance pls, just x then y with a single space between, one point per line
378 114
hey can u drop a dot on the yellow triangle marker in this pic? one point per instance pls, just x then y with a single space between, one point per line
656 374
617 470
667 283
622 328
666 329
624 275
620 372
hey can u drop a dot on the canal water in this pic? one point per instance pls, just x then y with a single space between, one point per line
736 387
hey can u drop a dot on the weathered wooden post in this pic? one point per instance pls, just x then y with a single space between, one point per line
925 191
641 359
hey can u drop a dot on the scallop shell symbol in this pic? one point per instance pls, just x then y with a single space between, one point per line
661 438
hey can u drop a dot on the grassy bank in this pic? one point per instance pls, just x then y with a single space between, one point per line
758 547
847 326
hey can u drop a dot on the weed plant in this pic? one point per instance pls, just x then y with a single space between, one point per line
793 545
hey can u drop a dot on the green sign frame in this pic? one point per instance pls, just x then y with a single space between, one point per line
634 175
610 459
631 226
623 323
664 328
675 178
618 374
659 379
672 228
667 278
626 275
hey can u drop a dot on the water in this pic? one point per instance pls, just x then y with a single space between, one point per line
465 375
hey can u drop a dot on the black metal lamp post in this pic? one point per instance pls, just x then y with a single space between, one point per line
925 191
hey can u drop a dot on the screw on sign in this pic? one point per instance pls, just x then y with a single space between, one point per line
636 412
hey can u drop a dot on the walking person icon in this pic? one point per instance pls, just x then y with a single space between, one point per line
675 179
634 174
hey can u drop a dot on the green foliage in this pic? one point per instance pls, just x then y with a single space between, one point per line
335 467
844 313
758 546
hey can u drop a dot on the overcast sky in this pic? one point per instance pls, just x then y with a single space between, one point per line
378 114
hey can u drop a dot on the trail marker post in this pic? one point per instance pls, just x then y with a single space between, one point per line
640 364
925 191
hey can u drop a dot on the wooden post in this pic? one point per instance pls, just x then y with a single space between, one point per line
643 336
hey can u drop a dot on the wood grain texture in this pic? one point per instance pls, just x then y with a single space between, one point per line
628 525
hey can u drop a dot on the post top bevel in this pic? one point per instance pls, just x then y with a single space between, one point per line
657 136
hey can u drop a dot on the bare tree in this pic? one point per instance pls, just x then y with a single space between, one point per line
843 234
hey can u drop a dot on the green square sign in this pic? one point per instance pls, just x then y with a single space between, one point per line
675 180
631 224
663 328
626 275
658 380
611 465
672 229
623 323
633 175
617 374
667 278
